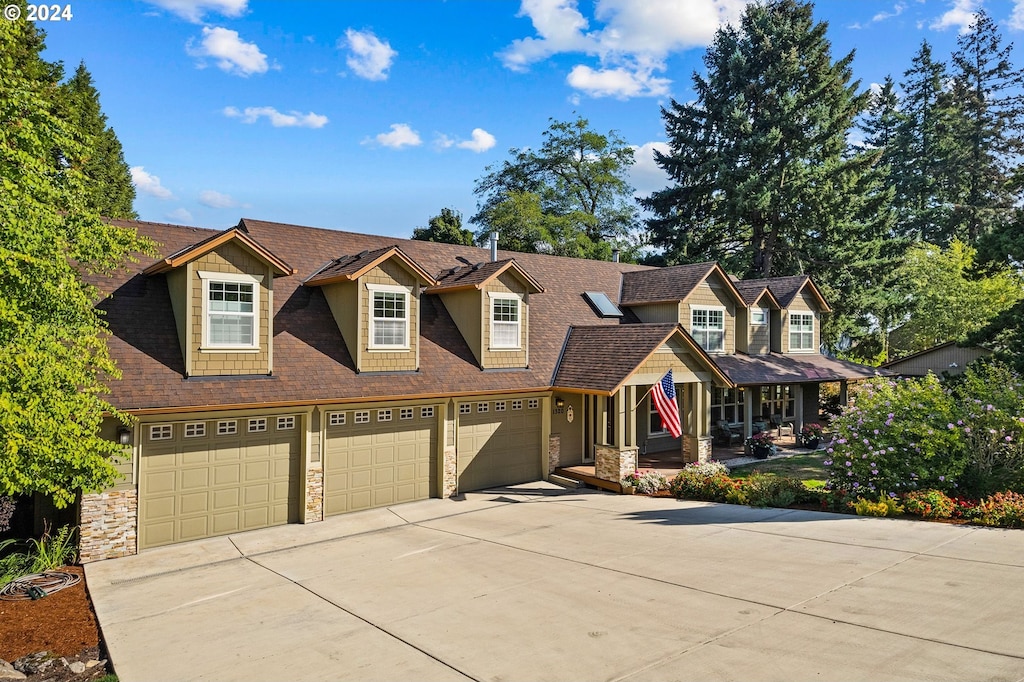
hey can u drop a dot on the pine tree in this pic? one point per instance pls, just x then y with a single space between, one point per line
762 178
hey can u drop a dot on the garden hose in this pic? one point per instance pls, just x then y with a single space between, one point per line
38 585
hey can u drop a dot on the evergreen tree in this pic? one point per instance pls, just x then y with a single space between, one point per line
109 181
446 228
762 178
989 130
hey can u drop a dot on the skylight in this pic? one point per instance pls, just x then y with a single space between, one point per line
603 305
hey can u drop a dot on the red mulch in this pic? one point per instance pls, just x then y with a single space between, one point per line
62 623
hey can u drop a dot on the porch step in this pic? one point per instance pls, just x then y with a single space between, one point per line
570 483
593 481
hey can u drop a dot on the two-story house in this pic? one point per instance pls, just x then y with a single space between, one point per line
281 374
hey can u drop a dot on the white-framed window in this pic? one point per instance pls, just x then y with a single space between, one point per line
801 331
505 321
285 423
727 404
427 412
465 408
257 425
227 427
362 417
657 428
759 316
707 327
483 407
161 432
517 404
389 316
533 403
499 406
336 418
405 413
231 304
195 430
383 415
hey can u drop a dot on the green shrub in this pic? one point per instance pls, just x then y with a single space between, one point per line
929 504
53 551
885 506
1005 510
703 481
769 490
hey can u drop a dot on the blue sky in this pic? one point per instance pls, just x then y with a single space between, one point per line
372 116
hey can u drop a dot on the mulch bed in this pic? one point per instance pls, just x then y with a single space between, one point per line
62 623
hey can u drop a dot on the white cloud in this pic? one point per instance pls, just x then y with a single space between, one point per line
442 141
481 141
401 135
213 199
961 14
634 42
233 54
1016 21
180 215
149 184
293 119
369 57
194 10
645 174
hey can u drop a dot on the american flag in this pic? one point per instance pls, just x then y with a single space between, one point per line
663 395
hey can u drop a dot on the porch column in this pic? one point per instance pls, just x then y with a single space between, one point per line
844 395
748 412
621 437
798 407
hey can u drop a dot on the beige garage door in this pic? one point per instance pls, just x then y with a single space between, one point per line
204 478
374 458
499 443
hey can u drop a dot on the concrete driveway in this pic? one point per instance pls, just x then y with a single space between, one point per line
535 583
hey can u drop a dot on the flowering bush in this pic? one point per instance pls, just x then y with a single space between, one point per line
812 430
1002 509
6 512
764 439
646 482
899 435
703 481
929 504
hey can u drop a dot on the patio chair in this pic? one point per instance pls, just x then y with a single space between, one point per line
724 435
784 429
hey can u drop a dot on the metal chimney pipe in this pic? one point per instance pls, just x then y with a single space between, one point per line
494 245
615 255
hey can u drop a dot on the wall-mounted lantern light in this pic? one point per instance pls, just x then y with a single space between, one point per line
559 402
124 435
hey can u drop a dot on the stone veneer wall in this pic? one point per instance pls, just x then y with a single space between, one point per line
696 448
611 464
314 494
554 452
450 478
109 525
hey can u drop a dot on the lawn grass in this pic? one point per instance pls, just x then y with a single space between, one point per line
807 468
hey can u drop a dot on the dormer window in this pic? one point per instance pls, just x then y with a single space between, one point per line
505 322
707 327
801 331
389 321
759 316
230 311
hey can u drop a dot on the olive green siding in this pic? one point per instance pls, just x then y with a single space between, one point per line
466 311
775 330
657 312
570 434
759 335
804 302
388 273
949 359
343 300
234 259
712 293
671 356
505 283
744 332
177 288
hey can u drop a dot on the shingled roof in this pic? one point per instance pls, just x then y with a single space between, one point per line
786 289
476 276
673 283
348 268
753 290
775 368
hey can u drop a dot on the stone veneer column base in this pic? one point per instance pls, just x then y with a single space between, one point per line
704 444
554 452
612 464
696 448
450 478
108 525
314 495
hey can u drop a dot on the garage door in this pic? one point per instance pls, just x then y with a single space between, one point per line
499 443
379 457
204 478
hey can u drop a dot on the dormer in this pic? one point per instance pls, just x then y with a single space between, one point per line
699 296
222 294
796 326
375 299
754 321
490 304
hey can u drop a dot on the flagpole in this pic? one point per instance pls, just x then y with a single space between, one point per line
644 396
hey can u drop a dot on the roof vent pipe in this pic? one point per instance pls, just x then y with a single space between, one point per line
494 245
615 255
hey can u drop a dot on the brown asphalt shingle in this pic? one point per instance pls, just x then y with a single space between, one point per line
663 284
599 358
776 368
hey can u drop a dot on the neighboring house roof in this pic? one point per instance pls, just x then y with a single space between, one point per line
939 358
599 359
673 283
350 268
203 246
478 275
775 368
753 291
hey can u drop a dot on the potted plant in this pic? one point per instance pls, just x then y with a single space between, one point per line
810 435
761 445
629 482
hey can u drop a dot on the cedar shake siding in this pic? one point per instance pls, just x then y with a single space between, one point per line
497 358
712 294
388 274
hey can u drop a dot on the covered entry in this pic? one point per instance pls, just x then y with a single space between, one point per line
378 457
499 442
203 478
